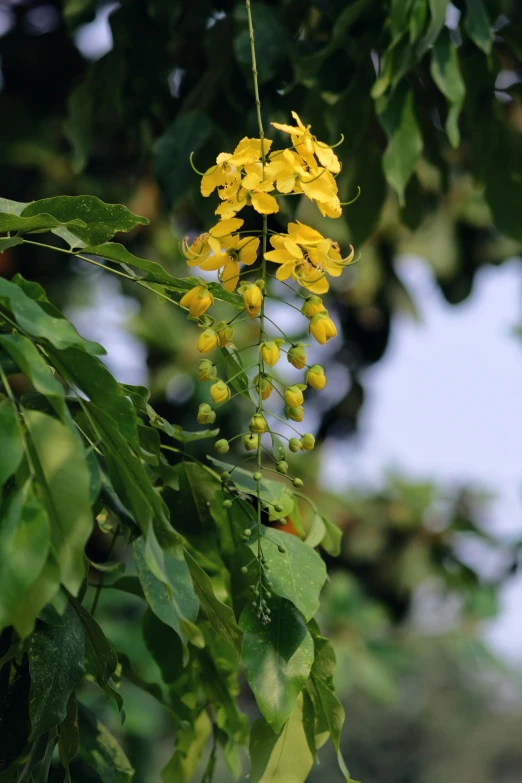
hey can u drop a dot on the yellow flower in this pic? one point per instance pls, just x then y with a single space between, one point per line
207 370
228 253
293 262
306 144
263 386
325 255
293 395
222 174
249 150
297 356
322 328
205 414
270 352
197 300
225 334
253 299
207 341
219 392
294 413
258 423
205 244
315 377
312 305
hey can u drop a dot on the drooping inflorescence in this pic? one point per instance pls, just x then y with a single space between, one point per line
255 176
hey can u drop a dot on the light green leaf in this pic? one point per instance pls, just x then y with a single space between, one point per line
190 743
7 242
316 533
39 594
438 9
478 26
34 320
445 71
333 716
278 447
37 222
277 659
12 449
235 369
24 352
270 491
331 542
103 220
298 573
56 655
397 117
100 749
24 544
63 474
220 616
286 757
166 582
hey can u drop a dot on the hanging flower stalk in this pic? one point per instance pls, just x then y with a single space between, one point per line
254 177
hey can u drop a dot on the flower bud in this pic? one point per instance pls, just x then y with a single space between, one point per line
297 356
207 341
257 476
258 423
224 335
205 414
293 395
222 446
308 441
294 444
282 467
270 352
253 299
297 482
315 377
220 392
227 504
260 284
322 328
225 476
207 370
294 413
312 305
263 386
197 300
250 442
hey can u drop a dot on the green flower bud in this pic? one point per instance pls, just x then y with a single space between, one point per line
244 570
278 508
257 476
207 370
222 446
250 442
258 423
297 482
308 441
294 413
294 444
227 504
247 532
205 414
282 549
225 476
312 306
282 467
297 356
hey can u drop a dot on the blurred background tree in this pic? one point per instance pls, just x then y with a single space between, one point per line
427 95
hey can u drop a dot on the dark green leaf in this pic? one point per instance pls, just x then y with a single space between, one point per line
69 733
271 39
277 659
221 616
15 724
164 645
37 222
112 251
333 716
24 544
8 242
286 757
171 162
446 74
397 117
438 9
103 220
56 656
12 449
478 26
99 748
298 573
63 474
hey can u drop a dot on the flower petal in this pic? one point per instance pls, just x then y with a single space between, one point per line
264 203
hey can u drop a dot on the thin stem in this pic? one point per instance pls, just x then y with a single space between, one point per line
284 422
9 392
102 575
278 327
287 285
278 299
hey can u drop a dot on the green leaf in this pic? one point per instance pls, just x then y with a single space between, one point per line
171 154
397 117
166 582
286 757
164 645
100 749
418 14
56 654
445 71
235 369
15 725
332 713
220 616
271 39
438 9
34 320
270 491
12 449
102 220
39 221
112 251
478 26
298 573
24 544
316 533
278 447
34 366
69 734
41 592
64 477
7 242
190 743
331 542
277 659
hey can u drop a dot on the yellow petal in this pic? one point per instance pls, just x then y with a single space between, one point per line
225 227
281 256
327 157
248 252
251 181
293 249
230 275
298 120
285 181
285 271
264 203
303 234
331 208
320 286
286 128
